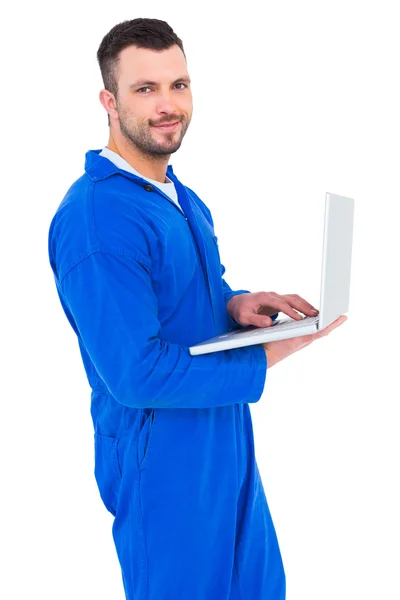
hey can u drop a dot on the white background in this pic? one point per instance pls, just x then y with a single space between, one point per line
291 99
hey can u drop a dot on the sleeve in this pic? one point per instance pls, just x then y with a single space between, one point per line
114 307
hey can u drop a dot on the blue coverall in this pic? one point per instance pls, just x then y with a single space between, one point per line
174 451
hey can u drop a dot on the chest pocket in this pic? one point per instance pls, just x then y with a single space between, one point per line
176 261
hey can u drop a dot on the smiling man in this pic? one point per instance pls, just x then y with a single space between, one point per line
137 268
153 105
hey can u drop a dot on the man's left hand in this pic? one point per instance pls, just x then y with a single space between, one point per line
256 309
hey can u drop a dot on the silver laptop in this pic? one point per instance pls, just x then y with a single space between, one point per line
335 287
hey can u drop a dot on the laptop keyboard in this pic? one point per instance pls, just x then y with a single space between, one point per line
287 324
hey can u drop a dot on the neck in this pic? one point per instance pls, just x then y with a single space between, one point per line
153 169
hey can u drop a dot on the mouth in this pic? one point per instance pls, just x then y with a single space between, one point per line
168 126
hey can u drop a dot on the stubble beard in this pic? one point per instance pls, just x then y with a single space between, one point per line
139 137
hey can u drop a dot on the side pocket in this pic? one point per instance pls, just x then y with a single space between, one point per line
145 435
107 470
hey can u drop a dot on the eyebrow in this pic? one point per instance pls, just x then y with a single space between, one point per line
145 82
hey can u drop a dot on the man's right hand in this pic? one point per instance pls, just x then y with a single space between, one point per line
277 351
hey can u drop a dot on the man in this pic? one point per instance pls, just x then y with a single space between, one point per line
135 260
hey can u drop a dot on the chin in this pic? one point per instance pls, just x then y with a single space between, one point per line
169 148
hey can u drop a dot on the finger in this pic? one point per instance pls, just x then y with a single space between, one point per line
301 304
305 340
259 320
279 303
342 319
339 321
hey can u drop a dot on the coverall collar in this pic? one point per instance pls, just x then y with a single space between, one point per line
98 167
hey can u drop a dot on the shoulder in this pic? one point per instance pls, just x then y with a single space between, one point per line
98 216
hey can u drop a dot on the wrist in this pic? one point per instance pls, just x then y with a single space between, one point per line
230 305
270 360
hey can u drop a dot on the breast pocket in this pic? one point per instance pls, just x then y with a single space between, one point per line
107 470
175 265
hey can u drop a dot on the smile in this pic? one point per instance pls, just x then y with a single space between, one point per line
168 126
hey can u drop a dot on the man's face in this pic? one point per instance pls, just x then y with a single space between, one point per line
154 89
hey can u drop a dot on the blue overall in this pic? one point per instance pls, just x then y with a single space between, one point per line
140 281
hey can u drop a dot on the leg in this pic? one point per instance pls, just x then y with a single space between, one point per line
175 524
259 572
258 564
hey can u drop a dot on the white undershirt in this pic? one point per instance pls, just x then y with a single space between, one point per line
168 187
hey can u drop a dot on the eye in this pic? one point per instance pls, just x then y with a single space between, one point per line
143 92
143 88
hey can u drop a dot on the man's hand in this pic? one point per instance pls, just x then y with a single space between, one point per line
277 351
255 309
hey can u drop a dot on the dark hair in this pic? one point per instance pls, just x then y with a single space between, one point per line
143 33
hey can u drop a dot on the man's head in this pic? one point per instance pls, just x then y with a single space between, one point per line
144 71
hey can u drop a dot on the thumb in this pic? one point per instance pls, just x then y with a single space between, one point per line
259 320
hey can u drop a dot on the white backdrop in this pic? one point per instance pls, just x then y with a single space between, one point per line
291 99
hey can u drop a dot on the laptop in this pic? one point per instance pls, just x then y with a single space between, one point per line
334 294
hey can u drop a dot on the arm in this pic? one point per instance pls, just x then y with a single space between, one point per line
113 305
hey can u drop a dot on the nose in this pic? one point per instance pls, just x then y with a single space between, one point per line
165 103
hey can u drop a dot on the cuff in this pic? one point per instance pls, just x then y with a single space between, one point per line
261 374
